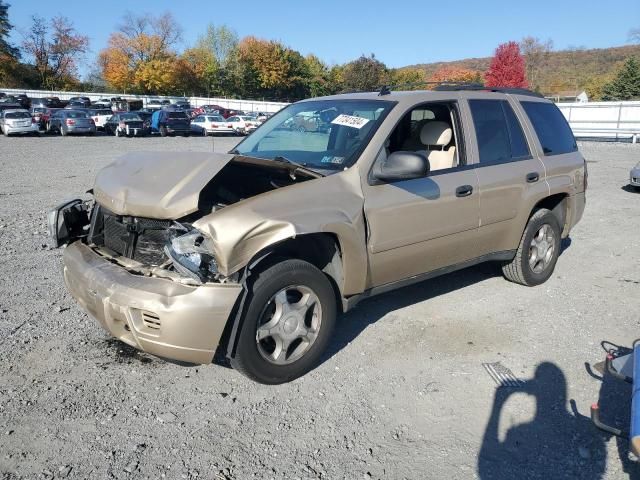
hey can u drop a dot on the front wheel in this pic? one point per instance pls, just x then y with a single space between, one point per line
287 324
538 251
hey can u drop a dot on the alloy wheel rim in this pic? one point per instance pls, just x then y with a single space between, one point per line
289 325
542 249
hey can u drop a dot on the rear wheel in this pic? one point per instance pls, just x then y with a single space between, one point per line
538 251
163 131
62 131
116 132
287 324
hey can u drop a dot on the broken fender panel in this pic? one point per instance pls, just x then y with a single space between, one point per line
162 185
332 204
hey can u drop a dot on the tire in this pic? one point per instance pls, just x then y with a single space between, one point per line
528 267
116 132
6 134
293 280
163 131
62 132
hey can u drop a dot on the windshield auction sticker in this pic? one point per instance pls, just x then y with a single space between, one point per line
350 121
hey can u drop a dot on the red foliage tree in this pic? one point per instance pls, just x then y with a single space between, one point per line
507 68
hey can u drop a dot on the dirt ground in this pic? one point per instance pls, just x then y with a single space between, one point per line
402 394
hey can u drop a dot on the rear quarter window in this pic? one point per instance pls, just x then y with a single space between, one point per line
551 127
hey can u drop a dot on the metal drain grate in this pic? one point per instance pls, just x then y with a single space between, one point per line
502 375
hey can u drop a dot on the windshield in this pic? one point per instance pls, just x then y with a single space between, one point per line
322 134
130 116
18 115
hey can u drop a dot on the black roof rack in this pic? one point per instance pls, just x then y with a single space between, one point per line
450 87
479 87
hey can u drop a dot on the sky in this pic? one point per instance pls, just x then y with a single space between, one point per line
399 33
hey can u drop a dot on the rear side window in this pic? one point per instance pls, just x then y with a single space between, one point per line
552 128
180 115
499 134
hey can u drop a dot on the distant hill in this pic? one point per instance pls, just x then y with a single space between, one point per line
564 72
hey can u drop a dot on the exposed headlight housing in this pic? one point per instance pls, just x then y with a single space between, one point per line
192 255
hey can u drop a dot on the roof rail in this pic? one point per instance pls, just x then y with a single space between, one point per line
479 87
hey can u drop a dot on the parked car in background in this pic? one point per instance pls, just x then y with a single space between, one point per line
102 103
14 122
154 104
100 116
48 102
145 114
67 122
210 124
127 105
84 101
242 125
634 177
170 122
42 115
182 104
127 124
76 105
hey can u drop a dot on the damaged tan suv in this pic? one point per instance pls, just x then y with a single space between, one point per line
255 252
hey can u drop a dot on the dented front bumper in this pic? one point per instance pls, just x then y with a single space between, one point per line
156 315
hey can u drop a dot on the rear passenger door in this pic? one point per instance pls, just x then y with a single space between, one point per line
511 179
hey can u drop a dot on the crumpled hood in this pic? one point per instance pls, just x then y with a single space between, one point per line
163 185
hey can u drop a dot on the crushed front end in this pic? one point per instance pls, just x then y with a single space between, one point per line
121 270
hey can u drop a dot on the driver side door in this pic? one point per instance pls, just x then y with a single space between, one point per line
425 224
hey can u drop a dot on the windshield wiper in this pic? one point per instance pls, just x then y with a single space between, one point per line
299 166
280 158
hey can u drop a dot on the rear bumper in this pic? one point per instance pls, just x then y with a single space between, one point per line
156 315
33 128
577 204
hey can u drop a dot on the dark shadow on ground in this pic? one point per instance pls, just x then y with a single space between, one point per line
630 189
556 444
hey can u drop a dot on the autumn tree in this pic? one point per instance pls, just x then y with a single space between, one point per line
449 73
407 78
626 84
140 56
364 74
507 68
536 55
55 49
270 69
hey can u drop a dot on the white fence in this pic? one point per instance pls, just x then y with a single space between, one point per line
604 120
245 105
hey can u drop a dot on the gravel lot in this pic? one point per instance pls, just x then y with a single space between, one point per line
402 394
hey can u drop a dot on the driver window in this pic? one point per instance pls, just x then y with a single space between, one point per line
429 128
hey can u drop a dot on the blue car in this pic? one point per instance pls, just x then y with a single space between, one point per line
170 122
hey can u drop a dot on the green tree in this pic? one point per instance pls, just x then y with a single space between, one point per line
217 50
364 74
626 84
9 55
319 78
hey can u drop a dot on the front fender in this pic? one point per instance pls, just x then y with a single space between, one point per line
325 205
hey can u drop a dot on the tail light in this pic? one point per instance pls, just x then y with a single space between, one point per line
70 121
121 125
95 119
213 125
34 120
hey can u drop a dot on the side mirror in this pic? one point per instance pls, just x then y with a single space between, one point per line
402 166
